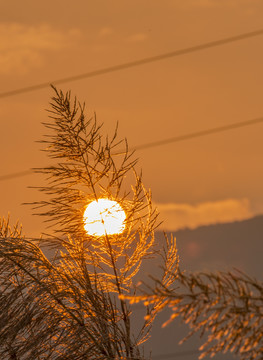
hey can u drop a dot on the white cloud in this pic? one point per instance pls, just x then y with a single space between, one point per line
23 46
179 216
221 3
139 37
205 3
105 31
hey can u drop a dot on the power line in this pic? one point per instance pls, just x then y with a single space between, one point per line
135 63
166 141
15 175
198 134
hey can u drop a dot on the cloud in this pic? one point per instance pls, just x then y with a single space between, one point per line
179 216
22 46
205 3
221 3
139 37
105 31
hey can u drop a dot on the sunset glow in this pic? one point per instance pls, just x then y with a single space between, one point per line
104 217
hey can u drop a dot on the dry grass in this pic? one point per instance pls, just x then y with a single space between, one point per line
73 306
227 307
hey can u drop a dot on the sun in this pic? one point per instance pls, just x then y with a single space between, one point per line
104 216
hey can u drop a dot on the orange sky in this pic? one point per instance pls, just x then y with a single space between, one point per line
220 175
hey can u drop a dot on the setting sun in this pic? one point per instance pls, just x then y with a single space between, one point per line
104 217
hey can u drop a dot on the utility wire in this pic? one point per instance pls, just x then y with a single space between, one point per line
151 144
131 64
198 134
15 175
163 142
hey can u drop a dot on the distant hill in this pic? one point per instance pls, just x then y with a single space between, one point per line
223 246
214 247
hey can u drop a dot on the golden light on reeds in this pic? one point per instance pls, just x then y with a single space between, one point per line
104 216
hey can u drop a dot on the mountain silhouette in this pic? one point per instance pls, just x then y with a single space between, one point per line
207 248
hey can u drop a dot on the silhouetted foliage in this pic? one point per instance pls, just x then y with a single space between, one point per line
76 304
72 306
227 307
